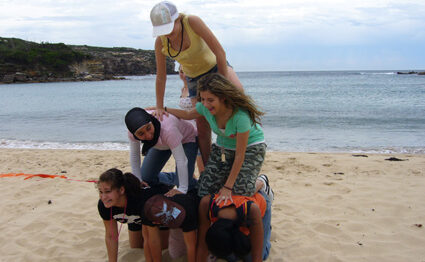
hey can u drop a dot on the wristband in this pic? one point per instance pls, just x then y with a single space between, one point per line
165 108
226 187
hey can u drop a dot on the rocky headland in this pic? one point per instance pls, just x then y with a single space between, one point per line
411 73
29 62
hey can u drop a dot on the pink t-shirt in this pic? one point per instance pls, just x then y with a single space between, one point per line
174 131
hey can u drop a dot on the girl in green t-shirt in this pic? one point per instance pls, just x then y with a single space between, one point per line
237 156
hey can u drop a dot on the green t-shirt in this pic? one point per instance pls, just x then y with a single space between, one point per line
238 123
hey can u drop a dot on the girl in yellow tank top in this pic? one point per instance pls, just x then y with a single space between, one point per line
186 39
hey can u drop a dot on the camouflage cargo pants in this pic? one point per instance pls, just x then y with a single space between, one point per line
217 171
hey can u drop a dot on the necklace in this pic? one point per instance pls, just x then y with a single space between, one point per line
181 43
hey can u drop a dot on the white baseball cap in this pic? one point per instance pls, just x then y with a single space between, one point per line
163 16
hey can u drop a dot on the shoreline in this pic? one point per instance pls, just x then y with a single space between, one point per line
327 207
123 146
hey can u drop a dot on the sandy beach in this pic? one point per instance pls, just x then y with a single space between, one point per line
328 207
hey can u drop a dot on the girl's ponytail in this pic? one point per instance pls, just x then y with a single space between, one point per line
131 184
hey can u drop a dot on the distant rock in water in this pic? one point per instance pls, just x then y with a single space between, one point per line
411 73
23 61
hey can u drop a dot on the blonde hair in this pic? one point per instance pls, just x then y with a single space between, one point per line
232 96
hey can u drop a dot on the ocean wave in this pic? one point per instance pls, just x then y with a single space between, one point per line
26 144
272 147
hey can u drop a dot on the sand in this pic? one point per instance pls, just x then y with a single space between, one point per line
328 207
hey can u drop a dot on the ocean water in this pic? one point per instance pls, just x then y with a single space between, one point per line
327 111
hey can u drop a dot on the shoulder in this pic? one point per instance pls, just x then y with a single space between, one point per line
254 211
200 108
241 117
168 121
196 23
241 113
158 42
103 211
193 19
131 137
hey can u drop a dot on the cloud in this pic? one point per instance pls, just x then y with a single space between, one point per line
265 28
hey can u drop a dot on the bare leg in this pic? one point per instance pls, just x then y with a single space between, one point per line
164 238
204 138
135 238
200 164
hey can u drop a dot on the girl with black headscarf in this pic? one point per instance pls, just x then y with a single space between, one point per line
161 139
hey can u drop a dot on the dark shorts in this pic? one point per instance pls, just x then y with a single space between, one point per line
193 82
216 171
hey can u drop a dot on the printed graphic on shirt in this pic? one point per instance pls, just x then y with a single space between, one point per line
123 218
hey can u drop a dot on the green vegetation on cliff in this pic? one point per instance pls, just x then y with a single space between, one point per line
24 61
26 55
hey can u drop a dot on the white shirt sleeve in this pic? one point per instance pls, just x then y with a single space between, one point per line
181 164
135 157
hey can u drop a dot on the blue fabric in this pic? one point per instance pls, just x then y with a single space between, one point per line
192 83
267 226
267 229
156 159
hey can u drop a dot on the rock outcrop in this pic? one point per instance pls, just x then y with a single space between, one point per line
125 61
22 61
411 73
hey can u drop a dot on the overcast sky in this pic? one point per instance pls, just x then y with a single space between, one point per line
258 35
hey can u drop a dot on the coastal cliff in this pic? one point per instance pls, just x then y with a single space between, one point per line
23 61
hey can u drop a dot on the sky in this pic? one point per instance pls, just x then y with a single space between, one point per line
267 35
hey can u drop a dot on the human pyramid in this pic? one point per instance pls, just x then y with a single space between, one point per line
226 213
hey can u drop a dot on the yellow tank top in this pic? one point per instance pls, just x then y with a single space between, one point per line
197 59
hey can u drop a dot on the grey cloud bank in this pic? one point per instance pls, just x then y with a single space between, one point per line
257 35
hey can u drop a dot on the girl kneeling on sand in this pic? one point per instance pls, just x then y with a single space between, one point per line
236 158
161 139
123 199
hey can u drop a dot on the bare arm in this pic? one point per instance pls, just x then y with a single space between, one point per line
241 144
256 233
161 77
190 241
201 29
182 171
204 224
111 233
184 114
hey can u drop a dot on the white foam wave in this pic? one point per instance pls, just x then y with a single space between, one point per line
378 73
26 144
4 143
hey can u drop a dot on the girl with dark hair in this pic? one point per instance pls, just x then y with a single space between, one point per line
161 139
236 158
122 199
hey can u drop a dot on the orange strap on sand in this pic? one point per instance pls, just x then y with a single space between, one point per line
28 176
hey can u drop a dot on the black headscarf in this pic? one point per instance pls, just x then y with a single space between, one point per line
138 117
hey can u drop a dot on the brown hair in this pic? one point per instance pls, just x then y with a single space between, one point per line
117 179
232 96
